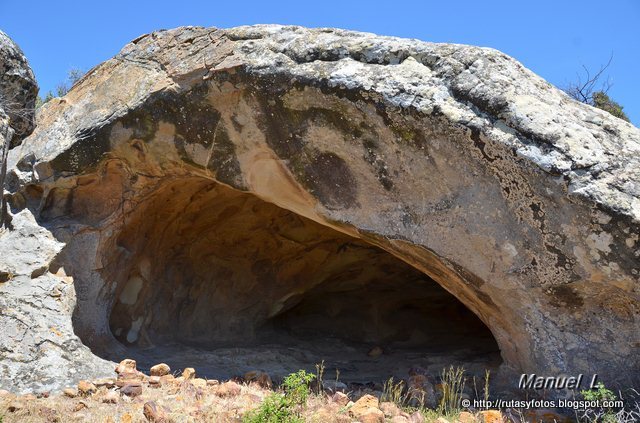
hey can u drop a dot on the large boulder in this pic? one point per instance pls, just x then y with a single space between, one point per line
457 160
18 89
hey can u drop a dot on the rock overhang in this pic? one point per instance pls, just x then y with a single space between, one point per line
456 159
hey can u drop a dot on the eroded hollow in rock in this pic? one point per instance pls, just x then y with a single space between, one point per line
217 279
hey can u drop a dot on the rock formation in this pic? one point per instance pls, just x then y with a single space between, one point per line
210 186
18 89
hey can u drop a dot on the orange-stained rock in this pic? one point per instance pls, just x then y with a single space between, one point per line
390 409
110 397
466 417
126 365
188 373
364 404
161 369
227 389
86 388
340 398
70 392
490 416
107 382
371 415
546 416
136 375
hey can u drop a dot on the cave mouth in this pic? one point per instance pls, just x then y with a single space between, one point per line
205 276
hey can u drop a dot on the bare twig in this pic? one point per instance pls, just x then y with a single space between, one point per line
583 91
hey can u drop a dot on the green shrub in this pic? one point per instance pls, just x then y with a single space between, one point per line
600 393
601 100
274 409
296 387
604 414
283 407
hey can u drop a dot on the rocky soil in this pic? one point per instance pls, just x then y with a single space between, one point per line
161 396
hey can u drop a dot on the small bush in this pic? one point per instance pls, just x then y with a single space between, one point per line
601 414
601 100
274 409
599 394
283 407
296 387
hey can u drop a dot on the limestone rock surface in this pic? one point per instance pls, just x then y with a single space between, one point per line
18 89
455 160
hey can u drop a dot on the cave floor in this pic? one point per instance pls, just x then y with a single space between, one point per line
351 359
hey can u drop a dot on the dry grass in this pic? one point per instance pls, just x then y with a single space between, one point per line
183 401
198 401
394 392
452 388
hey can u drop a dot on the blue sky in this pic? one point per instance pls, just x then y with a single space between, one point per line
553 38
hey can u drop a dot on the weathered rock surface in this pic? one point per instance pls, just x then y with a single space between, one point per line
18 89
161 369
18 92
38 350
457 160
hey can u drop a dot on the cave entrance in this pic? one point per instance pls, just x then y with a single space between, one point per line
209 277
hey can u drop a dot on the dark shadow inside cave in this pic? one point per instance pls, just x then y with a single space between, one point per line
204 276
